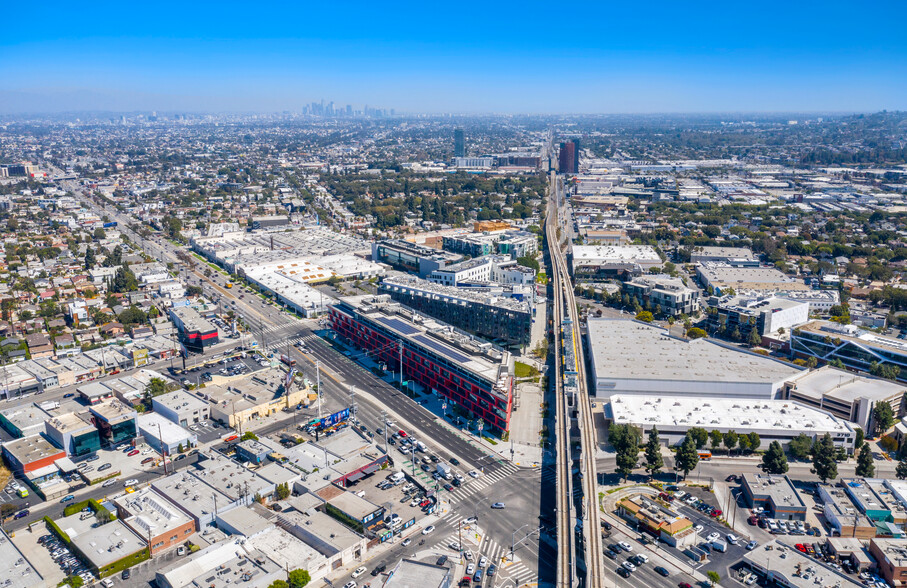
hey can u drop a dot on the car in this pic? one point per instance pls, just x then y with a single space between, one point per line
467 555
130 482
448 487
350 584
684 585
498 505
715 512
474 474
93 457
69 395
731 478
402 433
609 554
469 520
713 537
606 525
358 572
104 466
147 460
661 571
623 573
752 545
407 541
428 529
629 565
379 569
477 577
454 545
67 498
679 494
625 546
132 453
465 581
698 528
454 461
108 483
21 514
641 558
470 569
483 561
441 560
799 547
753 520
130 490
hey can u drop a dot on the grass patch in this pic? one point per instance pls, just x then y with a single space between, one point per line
524 370
490 440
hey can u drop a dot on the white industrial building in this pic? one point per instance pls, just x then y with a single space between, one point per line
600 261
160 432
631 357
181 407
773 420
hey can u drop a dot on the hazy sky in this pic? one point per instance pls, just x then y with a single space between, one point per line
677 56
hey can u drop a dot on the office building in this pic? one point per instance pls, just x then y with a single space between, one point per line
774 493
163 435
507 242
723 276
891 558
31 454
106 548
152 517
23 421
856 348
253 397
181 407
472 375
252 451
485 270
876 501
459 143
270 222
602 262
195 332
665 295
477 163
669 526
846 395
649 360
75 433
738 316
772 420
568 157
500 319
410 257
115 421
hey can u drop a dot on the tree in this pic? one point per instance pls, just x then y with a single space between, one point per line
743 442
528 261
712 576
249 435
687 456
858 439
99 234
654 461
754 339
800 446
774 461
811 362
716 438
645 316
883 417
900 471
278 584
699 435
155 387
755 441
299 578
865 466
133 316
7 509
696 333
824 464
730 440
90 258
627 456
124 280
283 490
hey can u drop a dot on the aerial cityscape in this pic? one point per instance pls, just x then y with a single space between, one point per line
380 320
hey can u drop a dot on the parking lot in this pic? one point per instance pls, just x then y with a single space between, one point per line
232 366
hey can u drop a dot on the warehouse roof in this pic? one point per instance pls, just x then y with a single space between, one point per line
845 386
619 347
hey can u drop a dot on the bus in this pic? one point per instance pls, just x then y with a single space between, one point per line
705 455
228 285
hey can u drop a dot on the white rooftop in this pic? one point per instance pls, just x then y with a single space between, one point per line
615 253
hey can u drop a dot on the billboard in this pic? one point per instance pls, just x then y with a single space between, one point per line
140 357
332 419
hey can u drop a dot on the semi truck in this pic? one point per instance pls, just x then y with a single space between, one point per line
444 471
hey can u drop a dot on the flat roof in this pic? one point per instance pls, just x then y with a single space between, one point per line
620 346
113 410
229 477
150 512
26 417
169 432
285 549
180 400
15 569
70 422
728 252
410 573
793 564
778 488
329 535
855 334
740 414
30 449
353 505
453 294
588 254
719 273
831 382
191 493
108 543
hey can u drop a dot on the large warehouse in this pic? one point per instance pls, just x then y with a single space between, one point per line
630 357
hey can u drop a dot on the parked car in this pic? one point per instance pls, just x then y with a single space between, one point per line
67 498
132 453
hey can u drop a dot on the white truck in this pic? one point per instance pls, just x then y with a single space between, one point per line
396 477
444 471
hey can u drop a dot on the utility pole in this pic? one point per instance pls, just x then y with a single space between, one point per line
163 449
384 428
318 384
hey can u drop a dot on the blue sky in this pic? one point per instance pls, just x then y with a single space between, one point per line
457 57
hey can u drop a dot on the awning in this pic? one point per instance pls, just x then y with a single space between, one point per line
355 477
65 465
371 469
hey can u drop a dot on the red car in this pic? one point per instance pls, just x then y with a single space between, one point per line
716 512
799 547
231 438
684 585
147 460
752 520
666 497
402 433
133 452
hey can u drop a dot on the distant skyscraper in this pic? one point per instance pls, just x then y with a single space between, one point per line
459 143
576 156
568 158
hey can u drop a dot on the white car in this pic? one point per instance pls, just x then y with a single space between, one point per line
751 545
643 558
483 561
713 537
359 571
469 520
698 528
130 482
732 539
350 584
679 494
474 473
428 529
407 541
470 569
625 545
629 566
454 545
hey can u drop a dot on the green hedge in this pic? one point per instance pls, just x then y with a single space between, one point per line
126 562
58 531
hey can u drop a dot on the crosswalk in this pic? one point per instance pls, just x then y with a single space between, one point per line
518 571
471 486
